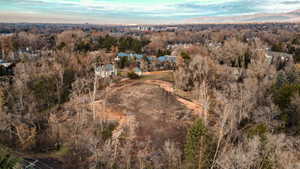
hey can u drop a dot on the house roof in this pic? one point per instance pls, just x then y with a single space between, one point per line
137 56
167 58
151 58
108 67
122 54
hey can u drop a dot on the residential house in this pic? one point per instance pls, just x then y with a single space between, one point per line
6 68
280 59
107 70
166 62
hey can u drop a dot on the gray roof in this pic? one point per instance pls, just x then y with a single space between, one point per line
108 67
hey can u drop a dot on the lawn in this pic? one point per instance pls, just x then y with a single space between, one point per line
161 75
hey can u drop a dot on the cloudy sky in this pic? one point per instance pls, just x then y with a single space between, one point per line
137 11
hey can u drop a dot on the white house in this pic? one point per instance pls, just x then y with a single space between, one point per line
107 70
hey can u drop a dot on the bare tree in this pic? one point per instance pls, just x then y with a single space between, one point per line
204 100
226 116
243 156
173 155
58 68
94 95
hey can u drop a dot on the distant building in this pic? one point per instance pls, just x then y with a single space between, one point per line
142 28
171 28
107 70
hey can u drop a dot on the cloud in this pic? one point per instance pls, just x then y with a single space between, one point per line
148 10
290 2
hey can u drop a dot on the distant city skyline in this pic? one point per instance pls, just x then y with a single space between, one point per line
148 11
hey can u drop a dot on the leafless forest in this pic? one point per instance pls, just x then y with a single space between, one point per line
218 99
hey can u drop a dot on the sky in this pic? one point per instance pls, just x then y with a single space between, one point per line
140 11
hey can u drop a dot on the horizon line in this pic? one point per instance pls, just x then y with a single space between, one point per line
166 24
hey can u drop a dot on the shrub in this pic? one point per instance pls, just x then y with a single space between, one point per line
278 47
186 57
257 130
7 161
82 46
133 75
61 46
282 96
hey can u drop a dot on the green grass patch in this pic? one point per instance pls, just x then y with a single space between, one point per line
164 76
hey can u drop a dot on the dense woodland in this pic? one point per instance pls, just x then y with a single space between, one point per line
250 115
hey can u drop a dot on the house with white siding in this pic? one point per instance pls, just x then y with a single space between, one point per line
107 70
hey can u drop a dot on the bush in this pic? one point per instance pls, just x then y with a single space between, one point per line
61 46
7 161
278 47
133 75
257 130
82 46
282 96
44 89
186 57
